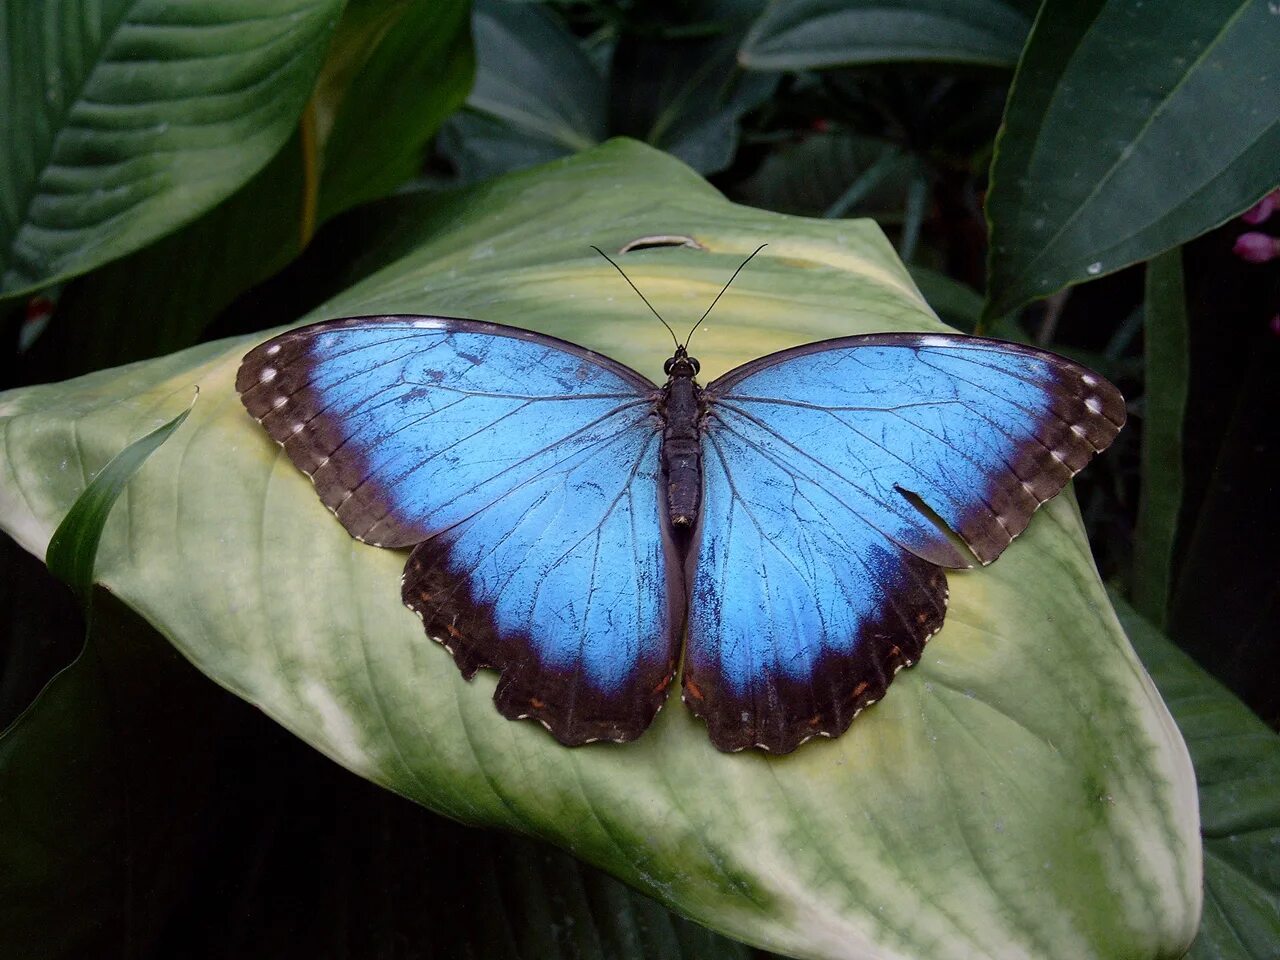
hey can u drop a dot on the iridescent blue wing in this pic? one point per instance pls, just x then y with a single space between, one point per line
525 470
817 576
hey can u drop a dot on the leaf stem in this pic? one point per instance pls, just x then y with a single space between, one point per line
310 173
1160 499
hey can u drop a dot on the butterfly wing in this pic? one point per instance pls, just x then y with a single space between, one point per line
526 472
817 577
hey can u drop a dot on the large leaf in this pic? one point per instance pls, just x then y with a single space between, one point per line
1022 791
1132 127
159 299
145 812
122 120
162 297
811 34
1237 761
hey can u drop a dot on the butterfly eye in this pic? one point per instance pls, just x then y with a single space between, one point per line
668 366
695 364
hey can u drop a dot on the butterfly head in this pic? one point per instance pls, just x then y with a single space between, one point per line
681 365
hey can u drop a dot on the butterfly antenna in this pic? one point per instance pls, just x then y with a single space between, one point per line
721 294
674 338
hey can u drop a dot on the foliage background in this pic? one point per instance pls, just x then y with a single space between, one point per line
1133 137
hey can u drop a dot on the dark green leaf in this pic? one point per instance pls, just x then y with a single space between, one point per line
1237 762
957 305
1131 128
395 71
74 544
122 120
1165 400
814 177
686 95
536 86
812 34
162 297
104 780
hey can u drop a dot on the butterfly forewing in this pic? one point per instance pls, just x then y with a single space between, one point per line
815 576
526 470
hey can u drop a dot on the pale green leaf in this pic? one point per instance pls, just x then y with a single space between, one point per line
1022 791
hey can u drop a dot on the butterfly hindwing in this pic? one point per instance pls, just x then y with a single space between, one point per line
816 575
525 470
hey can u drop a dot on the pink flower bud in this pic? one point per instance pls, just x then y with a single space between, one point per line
1254 247
1262 209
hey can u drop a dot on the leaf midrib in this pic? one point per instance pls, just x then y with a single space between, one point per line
62 116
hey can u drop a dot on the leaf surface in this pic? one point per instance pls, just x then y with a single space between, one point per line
1022 791
1131 128
1237 761
122 120
146 812
813 34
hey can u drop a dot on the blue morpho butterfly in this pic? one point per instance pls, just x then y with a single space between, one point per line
568 516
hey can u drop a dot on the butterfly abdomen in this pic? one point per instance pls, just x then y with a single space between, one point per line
682 451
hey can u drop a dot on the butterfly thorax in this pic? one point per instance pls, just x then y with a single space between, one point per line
681 409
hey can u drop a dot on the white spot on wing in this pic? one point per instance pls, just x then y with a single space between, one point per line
299 427
279 402
428 324
268 374
1089 379
273 350
1094 404
931 341
1078 430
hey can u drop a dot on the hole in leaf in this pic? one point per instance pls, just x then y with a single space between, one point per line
662 240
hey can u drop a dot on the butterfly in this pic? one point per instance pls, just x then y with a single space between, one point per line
572 521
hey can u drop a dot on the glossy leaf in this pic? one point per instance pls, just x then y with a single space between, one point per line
1237 761
160 298
123 120
994 803
146 812
813 34
164 296
1131 128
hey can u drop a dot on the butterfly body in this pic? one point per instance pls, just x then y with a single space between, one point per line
572 522
681 411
